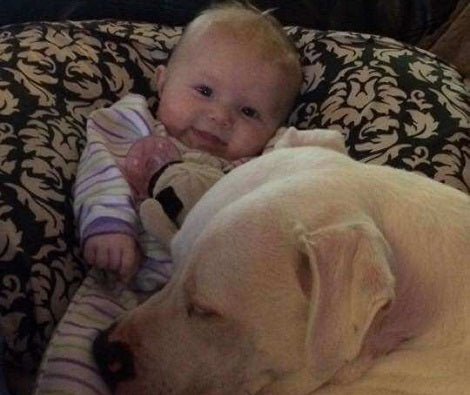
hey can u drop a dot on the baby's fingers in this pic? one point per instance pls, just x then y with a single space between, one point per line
89 254
102 258
129 263
115 258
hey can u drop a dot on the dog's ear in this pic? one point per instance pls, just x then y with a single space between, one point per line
350 282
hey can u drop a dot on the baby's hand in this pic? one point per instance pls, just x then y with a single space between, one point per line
113 252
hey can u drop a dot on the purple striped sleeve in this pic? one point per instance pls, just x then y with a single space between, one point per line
108 225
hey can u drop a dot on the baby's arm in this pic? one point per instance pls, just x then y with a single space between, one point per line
103 201
105 213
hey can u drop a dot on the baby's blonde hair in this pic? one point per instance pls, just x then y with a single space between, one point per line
246 23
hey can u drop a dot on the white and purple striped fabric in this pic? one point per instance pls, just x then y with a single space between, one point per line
68 366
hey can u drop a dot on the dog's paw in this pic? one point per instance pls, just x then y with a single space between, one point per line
327 138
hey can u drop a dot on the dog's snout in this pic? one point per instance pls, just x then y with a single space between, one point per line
114 359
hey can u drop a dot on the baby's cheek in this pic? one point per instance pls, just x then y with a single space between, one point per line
175 119
253 143
165 118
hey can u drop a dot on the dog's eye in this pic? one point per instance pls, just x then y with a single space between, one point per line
195 310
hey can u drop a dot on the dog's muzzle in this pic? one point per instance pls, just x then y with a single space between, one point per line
114 359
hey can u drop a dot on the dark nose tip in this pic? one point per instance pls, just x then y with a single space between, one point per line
114 359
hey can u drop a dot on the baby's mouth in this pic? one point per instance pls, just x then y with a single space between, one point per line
208 137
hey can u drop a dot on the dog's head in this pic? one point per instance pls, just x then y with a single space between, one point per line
264 301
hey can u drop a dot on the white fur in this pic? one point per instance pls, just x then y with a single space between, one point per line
303 272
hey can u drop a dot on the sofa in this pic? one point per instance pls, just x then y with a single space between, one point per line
396 105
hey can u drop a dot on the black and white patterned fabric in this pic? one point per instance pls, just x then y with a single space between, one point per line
395 104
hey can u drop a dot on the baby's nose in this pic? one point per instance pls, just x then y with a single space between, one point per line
222 115
114 359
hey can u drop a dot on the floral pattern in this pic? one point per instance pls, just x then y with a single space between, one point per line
395 104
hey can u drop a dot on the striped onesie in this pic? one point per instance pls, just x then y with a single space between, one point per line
104 201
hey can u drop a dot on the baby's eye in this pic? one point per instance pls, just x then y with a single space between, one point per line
204 90
250 112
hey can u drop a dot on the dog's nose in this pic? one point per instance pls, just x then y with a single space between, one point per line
114 359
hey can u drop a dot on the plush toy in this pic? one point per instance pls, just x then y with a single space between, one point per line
181 181
176 189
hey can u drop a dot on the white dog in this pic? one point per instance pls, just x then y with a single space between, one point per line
304 271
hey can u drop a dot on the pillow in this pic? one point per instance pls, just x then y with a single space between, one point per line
395 104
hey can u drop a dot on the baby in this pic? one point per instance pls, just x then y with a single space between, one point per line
227 88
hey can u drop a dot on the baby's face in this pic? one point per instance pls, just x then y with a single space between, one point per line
220 97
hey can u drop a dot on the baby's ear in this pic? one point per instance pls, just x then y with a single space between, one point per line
160 73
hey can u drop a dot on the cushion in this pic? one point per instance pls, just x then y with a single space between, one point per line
395 104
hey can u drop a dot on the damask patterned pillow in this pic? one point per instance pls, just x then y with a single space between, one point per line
395 104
